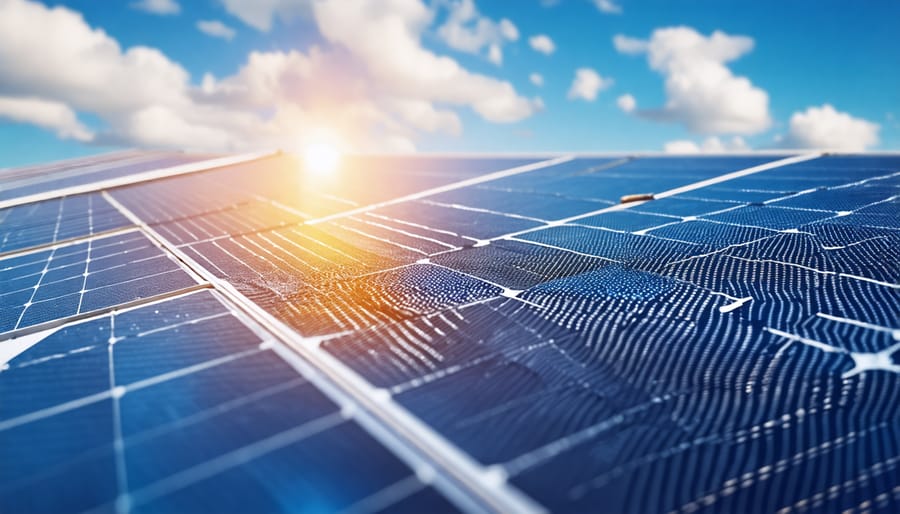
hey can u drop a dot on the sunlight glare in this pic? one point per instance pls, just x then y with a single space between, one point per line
321 158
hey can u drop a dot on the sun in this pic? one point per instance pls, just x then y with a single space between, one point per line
321 158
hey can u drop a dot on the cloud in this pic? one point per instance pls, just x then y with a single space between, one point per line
829 129
537 79
423 115
466 30
216 28
542 43
587 84
701 92
372 83
385 36
627 103
81 67
629 45
709 145
55 116
495 55
161 7
608 6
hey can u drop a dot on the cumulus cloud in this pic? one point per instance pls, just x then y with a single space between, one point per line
627 103
587 84
709 145
537 79
829 129
701 91
424 116
161 7
468 31
216 28
385 35
542 43
55 116
86 70
608 6
372 82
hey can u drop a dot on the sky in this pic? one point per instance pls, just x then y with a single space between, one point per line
391 76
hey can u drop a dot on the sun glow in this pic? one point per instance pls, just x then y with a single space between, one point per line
321 158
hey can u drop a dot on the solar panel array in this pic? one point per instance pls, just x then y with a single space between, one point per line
431 334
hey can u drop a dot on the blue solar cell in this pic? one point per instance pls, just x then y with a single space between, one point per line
680 207
717 235
616 246
773 218
840 199
154 404
465 222
517 265
84 277
628 221
62 462
540 206
326 468
51 221
426 500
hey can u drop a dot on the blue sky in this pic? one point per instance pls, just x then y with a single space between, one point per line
397 75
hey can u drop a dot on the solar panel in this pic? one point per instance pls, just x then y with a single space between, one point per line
79 172
52 221
439 334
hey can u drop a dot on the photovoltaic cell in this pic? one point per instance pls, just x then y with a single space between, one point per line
180 406
51 221
733 347
99 273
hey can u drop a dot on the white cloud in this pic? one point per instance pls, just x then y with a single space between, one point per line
709 145
468 31
508 30
55 116
542 43
216 28
608 6
702 93
79 66
495 55
424 116
537 79
158 6
629 45
587 84
627 103
681 146
385 36
373 85
829 129
465 29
